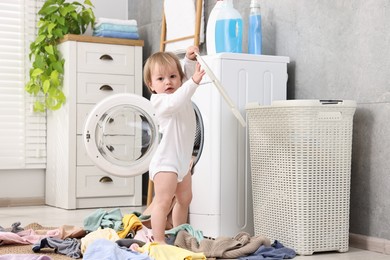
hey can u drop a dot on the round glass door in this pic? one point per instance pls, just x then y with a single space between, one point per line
199 135
120 134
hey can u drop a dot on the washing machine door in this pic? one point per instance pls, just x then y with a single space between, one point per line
121 134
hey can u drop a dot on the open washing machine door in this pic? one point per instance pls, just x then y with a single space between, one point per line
121 135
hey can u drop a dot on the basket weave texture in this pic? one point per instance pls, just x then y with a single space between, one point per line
301 166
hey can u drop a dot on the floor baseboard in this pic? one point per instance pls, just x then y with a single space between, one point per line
374 244
17 202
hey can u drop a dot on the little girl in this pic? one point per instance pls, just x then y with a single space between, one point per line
169 168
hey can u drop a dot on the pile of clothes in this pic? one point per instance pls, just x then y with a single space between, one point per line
116 28
113 235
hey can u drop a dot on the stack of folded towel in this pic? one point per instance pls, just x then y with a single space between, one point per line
116 28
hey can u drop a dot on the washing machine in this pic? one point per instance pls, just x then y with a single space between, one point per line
222 195
121 135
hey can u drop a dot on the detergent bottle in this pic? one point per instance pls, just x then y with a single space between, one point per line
210 29
227 27
254 28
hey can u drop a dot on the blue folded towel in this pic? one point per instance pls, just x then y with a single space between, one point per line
116 27
116 34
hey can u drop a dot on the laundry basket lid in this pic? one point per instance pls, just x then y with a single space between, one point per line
305 103
314 102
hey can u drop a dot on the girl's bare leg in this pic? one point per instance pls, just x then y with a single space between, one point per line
183 200
165 184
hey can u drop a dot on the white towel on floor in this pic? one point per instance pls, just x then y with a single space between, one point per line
180 19
101 20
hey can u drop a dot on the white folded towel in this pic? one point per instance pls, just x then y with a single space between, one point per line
101 20
180 19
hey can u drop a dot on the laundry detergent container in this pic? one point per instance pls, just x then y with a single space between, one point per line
300 152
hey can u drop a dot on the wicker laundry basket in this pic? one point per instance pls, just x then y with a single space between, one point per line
300 153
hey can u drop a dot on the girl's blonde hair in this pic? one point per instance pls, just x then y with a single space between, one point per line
163 59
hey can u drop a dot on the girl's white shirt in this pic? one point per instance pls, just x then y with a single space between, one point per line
177 123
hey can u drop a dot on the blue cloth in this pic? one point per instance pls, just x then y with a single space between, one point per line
116 34
187 227
115 27
274 252
109 250
103 219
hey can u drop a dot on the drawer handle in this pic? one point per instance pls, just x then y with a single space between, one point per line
105 179
106 57
106 88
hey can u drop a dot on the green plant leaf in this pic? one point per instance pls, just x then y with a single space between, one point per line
51 27
39 106
39 62
48 10
32 88
61 20
54 78
39 39
70 8
87 2
74 16
46 86
55 99
63 11
49 49
57 18
28 86
58 33
58 66
36 72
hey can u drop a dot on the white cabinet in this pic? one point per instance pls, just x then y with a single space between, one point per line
94 69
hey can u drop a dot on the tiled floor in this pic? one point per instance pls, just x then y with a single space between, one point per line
53 217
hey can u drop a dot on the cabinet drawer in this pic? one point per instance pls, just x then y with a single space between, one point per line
105 58
82 156
92 88
93 182
83 111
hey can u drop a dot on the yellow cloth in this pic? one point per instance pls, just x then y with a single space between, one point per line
107 233
168 252
130 222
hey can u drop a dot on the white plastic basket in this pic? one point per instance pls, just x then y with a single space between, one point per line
300 153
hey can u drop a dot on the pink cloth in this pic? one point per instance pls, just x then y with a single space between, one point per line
26 237
25 257
144 235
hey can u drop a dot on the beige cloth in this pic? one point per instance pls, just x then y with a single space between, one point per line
222 247
65 231
106 233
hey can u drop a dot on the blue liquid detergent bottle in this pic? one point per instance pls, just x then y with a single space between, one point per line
228 29
210 29
254 31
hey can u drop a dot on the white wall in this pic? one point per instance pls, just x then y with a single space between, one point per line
111 9
22 183
117 9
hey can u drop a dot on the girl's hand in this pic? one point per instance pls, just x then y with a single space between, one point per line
198 74
190 53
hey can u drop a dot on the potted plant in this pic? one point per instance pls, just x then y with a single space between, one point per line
57 18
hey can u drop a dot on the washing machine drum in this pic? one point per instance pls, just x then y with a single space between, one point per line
121 135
